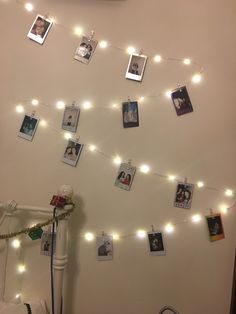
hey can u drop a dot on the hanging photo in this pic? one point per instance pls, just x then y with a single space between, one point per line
125 176
72 152
181 101
104 246
156 245
130 114
215 227
46 243
28 127
184 195
70 118
85 50
39 29
136 67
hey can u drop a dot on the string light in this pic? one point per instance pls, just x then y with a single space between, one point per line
53 20
21 268
67 135
17 296
115 236
169 228
115 106
15 244
29 7
35 102
168 93
60 104
228 192
171 178
130 50
224 209
92 148
78 31
196 78
157 58
43 123
89 236
87 105
141 234
117 160
187 61
200 184
196 218
19 108
141 98
103 44
144 168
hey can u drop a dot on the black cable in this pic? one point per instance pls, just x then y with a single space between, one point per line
52 251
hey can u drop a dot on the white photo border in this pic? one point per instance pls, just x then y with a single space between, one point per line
35 37
132 76
25 135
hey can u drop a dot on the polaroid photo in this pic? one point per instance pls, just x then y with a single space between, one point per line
156 244
70 118
136 67
215 227
28 127
85 50
181 101
72 152
125 176
40 29
46 243
104 246
130 114
184 195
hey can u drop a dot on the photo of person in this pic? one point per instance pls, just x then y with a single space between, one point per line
125 176
184 194
136 67
215 227
70 118
156 245
104 247
85 50
46 243
181 101
28 127
72 152
39 29
130 114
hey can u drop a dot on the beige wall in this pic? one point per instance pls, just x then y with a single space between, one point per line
195 275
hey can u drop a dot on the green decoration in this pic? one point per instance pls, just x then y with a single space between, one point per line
36 234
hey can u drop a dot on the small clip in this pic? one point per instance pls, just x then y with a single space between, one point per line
152 227
32 114
129 164
211 211
140 52
77 139
186 180
103 233
73 103
129 100
179 87
46 15
90 37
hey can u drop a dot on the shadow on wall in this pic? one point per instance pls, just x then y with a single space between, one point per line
76 222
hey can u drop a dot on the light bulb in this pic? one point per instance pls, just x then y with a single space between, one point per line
52 19
141 98
89 236
117 160
157 58
17 296
169 228
130 50
60 104
196 218
144 168
29 7
35 102
115 236
228 192
141 234
21 268
16 243
103 44
19 108
196 78
67 136
171 178
187 61
92 148
168 93
78 31
43 123
200 184
224 209
87 105
115 106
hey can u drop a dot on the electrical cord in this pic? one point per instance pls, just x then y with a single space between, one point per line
52 251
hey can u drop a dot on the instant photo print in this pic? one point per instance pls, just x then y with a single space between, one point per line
125 176
70 118
184 195
181 101
104 247
130 114
72 153
28 127
39 29
156 245
46 243
85 50
136 67
215 227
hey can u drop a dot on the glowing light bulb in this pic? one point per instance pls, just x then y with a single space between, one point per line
196 218
21 268
141 98
60 104
29 7
169 228
87 105
35 102
224 209
19 108
144 168
196 78
187 61
78 31
115 106
103 44
17 296
200 184
67 136
52 19
115 236
171 178
168 93
89 236
141 234
16 243
157 58
92 148
228 192
43 123
130 50
117 160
